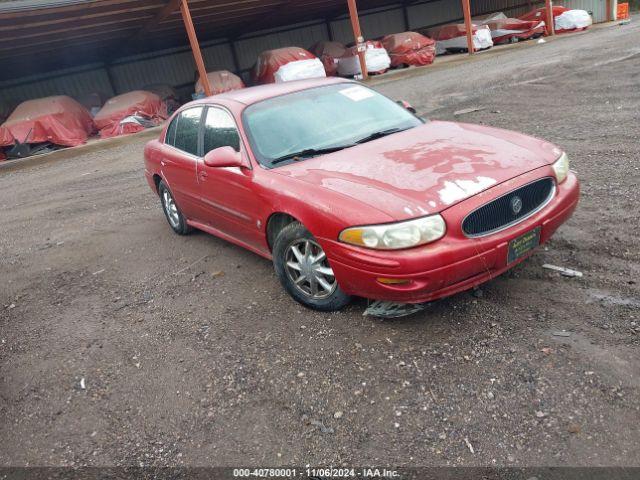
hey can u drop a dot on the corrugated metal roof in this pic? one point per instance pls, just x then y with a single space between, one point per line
19 5
41 35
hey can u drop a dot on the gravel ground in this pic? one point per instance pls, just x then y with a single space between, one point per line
124 344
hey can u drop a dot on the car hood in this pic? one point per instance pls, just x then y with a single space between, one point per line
426 169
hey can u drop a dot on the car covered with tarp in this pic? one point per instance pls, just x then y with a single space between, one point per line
329 54
130 113
41 124
452 37
220 81
564 19
409 48
376 59
285 65
509 30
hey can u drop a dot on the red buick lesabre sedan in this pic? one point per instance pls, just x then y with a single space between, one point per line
350 193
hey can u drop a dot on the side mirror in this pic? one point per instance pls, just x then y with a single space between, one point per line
223 157
406 105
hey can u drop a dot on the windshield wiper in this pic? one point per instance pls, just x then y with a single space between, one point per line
380 134
308 152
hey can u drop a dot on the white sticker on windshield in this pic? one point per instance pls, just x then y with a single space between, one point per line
357 93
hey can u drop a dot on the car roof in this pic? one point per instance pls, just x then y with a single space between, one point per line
250 95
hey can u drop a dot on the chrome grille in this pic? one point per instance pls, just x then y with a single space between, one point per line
509 209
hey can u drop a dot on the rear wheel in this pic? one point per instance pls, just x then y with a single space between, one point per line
174 216
304 271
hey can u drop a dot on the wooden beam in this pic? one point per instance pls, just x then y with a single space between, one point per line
357 33
195 47
551 30
466 11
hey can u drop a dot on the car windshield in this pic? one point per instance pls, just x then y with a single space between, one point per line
321 120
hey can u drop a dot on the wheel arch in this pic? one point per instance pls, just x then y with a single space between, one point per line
156 181
275 223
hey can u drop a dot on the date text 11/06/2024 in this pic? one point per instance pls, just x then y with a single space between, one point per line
365 473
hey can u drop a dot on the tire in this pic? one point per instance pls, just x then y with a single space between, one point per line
172 213
295 245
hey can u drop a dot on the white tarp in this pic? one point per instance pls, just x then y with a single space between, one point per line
300 70
376 59
481 40
573 19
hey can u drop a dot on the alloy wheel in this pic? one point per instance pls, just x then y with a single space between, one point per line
171 209
307 267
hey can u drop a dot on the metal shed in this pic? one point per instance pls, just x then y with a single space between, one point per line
80 46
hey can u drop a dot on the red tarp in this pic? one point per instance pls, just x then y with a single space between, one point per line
504 29
409 48
270 61
447 32
329 53
540 14
221 81
59 120
138 103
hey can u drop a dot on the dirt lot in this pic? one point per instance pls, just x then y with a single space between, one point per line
192 354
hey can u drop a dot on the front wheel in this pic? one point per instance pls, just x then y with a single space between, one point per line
304 271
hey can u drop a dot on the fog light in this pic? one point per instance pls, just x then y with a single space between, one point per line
393 281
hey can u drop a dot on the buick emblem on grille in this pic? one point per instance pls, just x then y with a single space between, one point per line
516 205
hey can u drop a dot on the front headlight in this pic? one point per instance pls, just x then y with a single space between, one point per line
561 168
395 236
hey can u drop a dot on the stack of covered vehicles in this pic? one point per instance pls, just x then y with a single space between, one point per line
409 48
452 37
285 65
564 19
42 124
508 30
130 113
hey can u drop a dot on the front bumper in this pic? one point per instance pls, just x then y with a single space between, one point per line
453 263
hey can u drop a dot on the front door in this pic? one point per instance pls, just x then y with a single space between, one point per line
226 193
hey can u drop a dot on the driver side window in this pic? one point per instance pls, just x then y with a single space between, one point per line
220 130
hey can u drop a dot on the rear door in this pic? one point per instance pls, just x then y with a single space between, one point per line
180 155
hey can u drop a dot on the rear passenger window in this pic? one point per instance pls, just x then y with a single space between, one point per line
186 136
170 138
220 130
